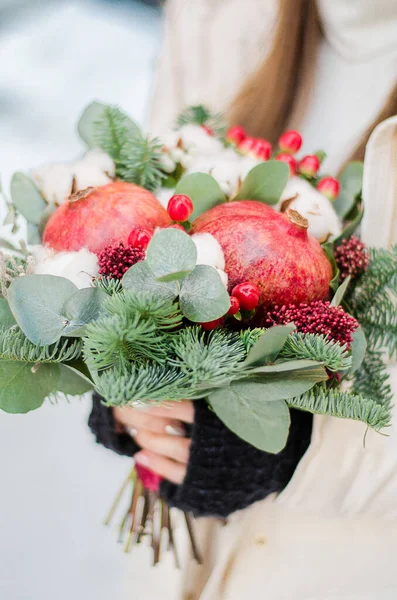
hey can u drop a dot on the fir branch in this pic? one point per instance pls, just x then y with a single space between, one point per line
14 345
318 348
140 162
12 267
108 285
345 405
372 379
249 337
111 132
165 314
202 115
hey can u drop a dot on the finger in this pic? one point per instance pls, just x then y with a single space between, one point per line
165 467
137 419
176 448
181 410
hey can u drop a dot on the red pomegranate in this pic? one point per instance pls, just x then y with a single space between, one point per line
98 217
269 249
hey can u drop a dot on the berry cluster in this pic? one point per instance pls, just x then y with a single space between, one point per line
352 258
114 261
316 317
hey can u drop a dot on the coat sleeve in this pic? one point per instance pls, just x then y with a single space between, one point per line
103 426
226 474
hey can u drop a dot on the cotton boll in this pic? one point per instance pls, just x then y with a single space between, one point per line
87 175
324 223
54 181
223 275
167 164
209 251
101 160
79 267
197 141
163 195
177 154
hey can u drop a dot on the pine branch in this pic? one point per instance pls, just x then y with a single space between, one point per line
201 115
165 314
345 405
249 337
111 132
372 379
14 345
317 347
10 268
140 163
108 285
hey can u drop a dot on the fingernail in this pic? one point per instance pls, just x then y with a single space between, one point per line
142 459
132 431
174 430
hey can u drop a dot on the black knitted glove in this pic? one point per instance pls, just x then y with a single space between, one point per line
103 426
226 474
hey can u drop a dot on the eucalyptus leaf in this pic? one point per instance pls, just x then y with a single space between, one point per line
72 383
203 190
33 235
48 211
340 292
140 278
265 182
351 180
298 367
269 345
6 317
82 308
358 349
286 385
37 303
24 387
202 297
27 198
171 255
328 248
351 227
94 113
243 410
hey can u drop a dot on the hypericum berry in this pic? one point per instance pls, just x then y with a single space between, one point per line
262 149
207 129
140 237
210 325
234 305
290 141
180 207
247 294
114 261
247 145
329 187
291 162
236 134
352 258
309 165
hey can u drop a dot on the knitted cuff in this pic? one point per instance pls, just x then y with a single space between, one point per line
226 474
103 426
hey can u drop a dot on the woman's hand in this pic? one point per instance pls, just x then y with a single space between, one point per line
160 432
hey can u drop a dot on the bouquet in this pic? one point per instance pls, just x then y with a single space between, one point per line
206 265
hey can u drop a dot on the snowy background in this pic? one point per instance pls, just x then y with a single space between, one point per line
56 483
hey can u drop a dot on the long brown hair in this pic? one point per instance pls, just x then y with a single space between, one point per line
275 97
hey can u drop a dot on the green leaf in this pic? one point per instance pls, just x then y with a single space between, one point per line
358 349
244 410
24 387
171 255
27 198
351 227
81 309
140 278
328 248
350 180
265 182
72 383
202 296
267 348
283 386
50 208
203 190
6 317
33 235
92 114
340 292
299 368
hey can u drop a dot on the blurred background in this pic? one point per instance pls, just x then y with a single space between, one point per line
56 483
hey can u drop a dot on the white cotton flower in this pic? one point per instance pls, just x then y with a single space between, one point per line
209 251
197 141
99 159
187 160
163 195
246 164
167 164
224 277
177 154
54 181
79 267
324 223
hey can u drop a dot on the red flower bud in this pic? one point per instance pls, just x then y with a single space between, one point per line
309 165
291 162
330 187
290 142
236 134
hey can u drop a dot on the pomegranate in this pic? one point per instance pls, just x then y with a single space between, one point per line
269 249
103 216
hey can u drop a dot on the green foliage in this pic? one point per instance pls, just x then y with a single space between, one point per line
14 345
318 348
27 198
346 405
328 248
372 379
108 285
374 300
164 313
351 181
171 255
202 296
94 114
201 115
11 267
203 190
140 277
249 337
265 182
269 345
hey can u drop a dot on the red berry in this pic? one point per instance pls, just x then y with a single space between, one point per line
207 129
290 141
236 134
180 207
263 149
329 186
309 165
247 145
177 226
140 237
247 294
291 162
234 305
209 325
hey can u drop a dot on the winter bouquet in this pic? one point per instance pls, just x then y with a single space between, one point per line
205 265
